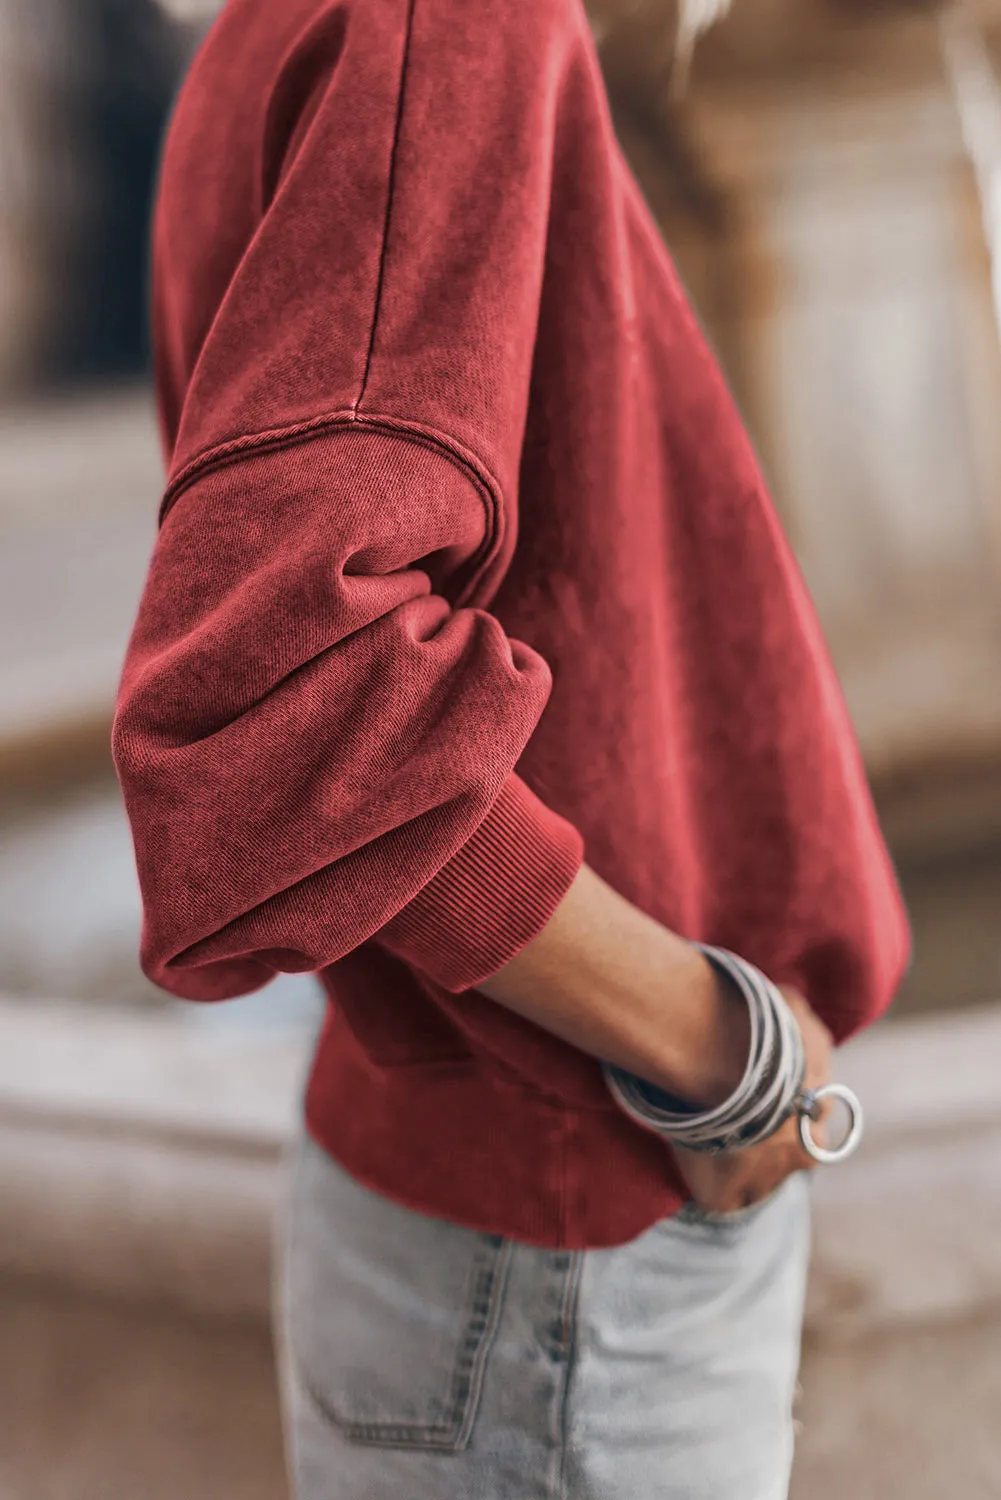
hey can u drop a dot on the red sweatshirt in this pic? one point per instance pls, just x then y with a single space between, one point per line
465 569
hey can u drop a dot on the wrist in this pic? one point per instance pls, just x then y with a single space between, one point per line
770 1090
719 1058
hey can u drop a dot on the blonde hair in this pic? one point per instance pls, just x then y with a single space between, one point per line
694 17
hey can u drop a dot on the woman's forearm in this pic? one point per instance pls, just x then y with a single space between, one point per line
611 980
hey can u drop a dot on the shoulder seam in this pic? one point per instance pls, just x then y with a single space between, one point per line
390 185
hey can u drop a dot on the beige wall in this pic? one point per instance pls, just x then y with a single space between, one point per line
872 350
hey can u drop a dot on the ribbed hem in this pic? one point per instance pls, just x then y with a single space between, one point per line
494 895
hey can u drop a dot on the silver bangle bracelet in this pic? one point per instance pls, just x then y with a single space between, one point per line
769 1092
807 1102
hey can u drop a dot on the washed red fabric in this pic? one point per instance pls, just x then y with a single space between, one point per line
465 571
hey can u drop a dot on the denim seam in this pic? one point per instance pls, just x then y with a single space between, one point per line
471 1368
571 1300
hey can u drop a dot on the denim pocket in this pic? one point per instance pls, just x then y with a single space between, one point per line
693 1213
390 1313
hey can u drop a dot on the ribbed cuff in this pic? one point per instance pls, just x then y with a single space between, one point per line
494 895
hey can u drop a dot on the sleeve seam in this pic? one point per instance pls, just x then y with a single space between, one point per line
292 435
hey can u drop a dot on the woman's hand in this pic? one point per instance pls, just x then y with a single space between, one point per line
606 977
736 1179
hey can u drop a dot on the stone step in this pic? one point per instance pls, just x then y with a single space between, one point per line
80 479
141 1165
141 1155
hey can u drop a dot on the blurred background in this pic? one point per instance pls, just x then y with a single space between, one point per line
827 175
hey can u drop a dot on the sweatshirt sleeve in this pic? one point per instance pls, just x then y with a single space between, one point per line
314 746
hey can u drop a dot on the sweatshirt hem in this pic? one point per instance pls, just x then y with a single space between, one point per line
458 1144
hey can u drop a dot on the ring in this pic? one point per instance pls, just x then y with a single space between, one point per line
807 1106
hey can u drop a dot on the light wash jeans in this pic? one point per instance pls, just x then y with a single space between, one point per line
424 1361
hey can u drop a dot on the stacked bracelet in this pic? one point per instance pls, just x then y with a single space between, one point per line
770 1090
